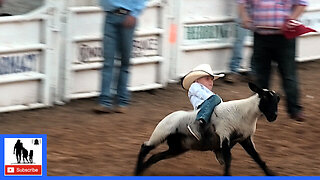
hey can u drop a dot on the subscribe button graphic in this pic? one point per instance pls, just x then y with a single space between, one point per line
26 158
22 170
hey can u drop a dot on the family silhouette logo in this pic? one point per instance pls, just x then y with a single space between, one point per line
23 156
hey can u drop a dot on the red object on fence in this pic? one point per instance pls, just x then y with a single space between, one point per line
173 33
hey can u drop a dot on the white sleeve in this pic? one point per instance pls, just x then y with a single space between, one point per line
200 91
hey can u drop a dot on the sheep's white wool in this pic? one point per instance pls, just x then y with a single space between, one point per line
172 123
236 116
233 116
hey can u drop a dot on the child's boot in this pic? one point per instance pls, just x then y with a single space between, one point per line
196 128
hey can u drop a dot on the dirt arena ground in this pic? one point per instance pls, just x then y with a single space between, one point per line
81 143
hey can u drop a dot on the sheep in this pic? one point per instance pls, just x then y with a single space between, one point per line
231 122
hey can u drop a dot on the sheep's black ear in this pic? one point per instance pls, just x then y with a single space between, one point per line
254 87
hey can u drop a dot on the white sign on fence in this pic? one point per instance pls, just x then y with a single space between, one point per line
89 52
219 32
18 63
93 52
145 46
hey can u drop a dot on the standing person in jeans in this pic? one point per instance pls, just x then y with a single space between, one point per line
237 54
120 23
269 20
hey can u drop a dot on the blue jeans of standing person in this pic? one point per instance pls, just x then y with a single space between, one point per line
117 38
207 107
237 51
268 48
238 44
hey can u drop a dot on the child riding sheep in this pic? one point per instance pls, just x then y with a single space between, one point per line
199 83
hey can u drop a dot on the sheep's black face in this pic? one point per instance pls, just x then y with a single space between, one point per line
269 104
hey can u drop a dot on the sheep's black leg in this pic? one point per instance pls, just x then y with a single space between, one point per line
249 147
170 153
142 154
226 152
175 148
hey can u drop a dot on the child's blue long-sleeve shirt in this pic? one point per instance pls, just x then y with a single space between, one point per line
198 93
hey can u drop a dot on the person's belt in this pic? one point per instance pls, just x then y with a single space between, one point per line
120 11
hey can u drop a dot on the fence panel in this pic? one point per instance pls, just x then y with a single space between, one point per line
83 52
306 51
204 36
24 62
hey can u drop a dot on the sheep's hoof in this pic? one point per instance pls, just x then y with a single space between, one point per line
138 171
270 173
219 157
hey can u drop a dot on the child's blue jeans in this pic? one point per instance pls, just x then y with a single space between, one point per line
207 107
